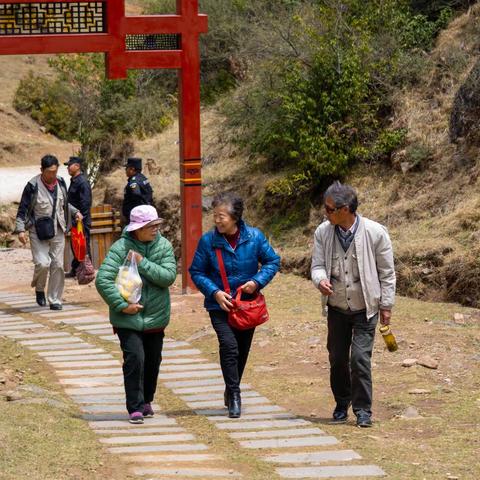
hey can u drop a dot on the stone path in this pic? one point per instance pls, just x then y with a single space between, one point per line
161 448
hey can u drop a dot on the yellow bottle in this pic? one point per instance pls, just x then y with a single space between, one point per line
389 338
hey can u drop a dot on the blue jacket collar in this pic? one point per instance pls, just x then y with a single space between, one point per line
219 240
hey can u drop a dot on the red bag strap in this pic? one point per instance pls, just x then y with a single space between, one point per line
223 273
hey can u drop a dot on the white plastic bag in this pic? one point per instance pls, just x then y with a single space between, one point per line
128 281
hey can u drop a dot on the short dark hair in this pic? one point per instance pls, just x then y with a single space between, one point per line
231 200
49 161
342 195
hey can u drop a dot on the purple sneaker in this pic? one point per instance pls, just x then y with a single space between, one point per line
136 417
148 411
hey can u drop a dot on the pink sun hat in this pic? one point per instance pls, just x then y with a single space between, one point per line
141 216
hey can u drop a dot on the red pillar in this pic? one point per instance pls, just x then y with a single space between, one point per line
190 143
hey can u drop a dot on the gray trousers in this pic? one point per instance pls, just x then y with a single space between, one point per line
350 345
48 257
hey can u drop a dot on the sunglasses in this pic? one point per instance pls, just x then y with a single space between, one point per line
332 210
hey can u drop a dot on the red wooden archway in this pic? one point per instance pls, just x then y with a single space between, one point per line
129 42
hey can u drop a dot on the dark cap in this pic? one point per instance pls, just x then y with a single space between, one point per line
134 162
49 161
73 160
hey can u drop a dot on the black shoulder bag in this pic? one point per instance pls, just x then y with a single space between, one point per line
45 226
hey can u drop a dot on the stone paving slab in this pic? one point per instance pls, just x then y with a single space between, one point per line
68 312
318 441
216 396
331 472
121 421
182 361
195 383
55 341
50 334
10 333
181 353
183 368
219 403
177 458
72 359
144 430
33 309
21 325
86 363
80 345
250 425
22 302
314 457
90 371
93 319
104 408
92 381
102 331
187 472
94 326
9 318
170 343
110 338
94 390
173 447
127 440
247 409
207 388
84 349
291 432
105 398
254 416
190 374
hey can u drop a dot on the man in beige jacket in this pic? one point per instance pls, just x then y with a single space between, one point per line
44 199
352 266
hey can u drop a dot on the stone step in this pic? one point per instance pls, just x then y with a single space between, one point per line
183 368
219 403
191 374
193 383
136 440
172 459
86 363
181 353
186 472
182 361
254 416
95 390
215 396
314 457
94 326
262 424
173 447
144 430
20 326
87 350
102 331
121 421
54 341
67 346
25 336
317 441
331 471
92 381
246 409
90 371
90 319
68 312
291 432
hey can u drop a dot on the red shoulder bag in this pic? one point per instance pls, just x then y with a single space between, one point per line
245 314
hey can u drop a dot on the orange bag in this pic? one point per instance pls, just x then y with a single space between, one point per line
79 243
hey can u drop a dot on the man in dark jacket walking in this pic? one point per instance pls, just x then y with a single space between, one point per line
138 190
80 196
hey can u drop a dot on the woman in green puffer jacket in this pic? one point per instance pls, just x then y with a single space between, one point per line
140 326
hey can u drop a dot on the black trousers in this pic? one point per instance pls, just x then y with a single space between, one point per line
350 345
142 355
75 262
234 348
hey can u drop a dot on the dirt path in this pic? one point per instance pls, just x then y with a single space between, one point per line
426 419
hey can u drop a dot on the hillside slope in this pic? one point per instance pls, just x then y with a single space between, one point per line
430 205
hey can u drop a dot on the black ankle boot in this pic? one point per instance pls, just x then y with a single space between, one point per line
41 300
234 405
226 396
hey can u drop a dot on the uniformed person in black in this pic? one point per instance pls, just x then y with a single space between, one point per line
80 196
138 190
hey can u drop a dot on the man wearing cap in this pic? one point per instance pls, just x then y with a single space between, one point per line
138 190
140 326
80 196
45 213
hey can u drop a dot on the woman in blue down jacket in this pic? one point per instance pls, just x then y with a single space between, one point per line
243 248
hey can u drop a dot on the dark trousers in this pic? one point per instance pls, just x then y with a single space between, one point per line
75 262
234 348
350 345
142 355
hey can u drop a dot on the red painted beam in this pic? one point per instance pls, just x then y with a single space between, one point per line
164 24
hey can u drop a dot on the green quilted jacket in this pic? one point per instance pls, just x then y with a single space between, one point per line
158 271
